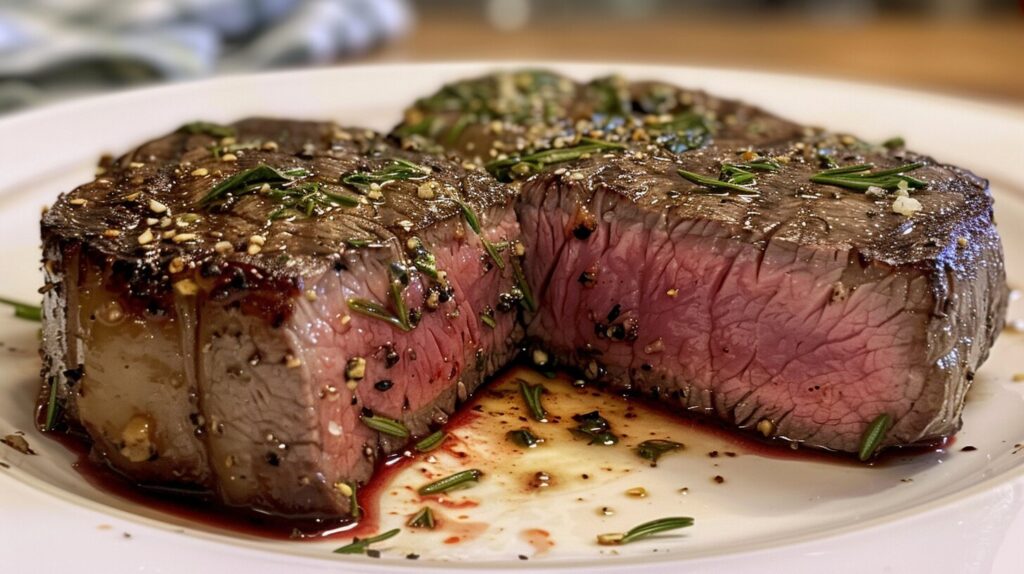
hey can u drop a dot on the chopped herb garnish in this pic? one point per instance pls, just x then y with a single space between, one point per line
894 143
595 428
207 128
51 407
425 262
250 180
488 320
646 529
652 450
474 224
386 426
308 199
422 519
358 242
470 215
396 169
24 310
873 436
531 395
715 183
744 172
526 165
524 438
431 441
399 279
860 178
449 482
517 271
377 311
359 546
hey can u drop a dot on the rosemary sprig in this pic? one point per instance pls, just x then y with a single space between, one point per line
449 482
595 428
431 441
425 262
730 171
422 519
873 436
359 546
529 164
24 310
652 450
51 408
517 271
474 224
308 199
531 396
645 530
250 177
376 311
524 438
386 426
860 177
207 128
399 278
715 183
396 169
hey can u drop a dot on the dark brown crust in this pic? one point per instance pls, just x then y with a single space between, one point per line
163 170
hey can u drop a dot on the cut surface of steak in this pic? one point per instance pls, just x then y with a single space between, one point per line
264 309
805 311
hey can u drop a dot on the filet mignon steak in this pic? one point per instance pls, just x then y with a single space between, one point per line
805 309
264 310
254 342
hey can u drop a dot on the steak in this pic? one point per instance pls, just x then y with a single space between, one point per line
241 343
805 310
263 311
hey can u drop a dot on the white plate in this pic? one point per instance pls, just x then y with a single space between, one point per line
940 512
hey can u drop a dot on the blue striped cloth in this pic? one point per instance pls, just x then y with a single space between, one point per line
50 49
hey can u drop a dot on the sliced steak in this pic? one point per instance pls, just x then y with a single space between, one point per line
805 311
266 309
238 343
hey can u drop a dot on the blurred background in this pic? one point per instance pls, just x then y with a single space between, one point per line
56 49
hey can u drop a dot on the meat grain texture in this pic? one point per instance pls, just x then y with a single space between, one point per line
251 344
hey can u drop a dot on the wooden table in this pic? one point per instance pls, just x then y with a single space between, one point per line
980 59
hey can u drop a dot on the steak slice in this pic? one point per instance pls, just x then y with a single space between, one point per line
805 311
264 310
229 305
